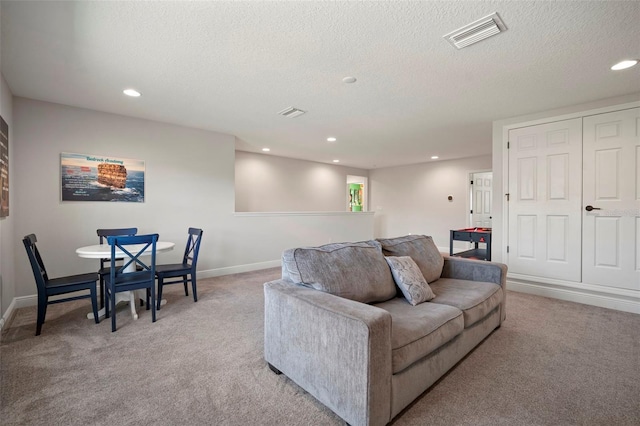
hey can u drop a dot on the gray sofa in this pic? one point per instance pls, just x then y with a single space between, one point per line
339 326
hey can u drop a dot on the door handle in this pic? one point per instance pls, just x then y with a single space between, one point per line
589 208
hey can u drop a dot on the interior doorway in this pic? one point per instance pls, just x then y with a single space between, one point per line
357 193
480 194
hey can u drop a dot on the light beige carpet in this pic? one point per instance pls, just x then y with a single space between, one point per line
551 363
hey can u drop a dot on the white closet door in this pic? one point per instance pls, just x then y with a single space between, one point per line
612 184
482 193
545 188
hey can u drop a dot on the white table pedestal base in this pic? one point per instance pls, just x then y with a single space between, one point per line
126 296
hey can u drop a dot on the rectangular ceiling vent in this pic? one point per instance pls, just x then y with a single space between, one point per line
476 31
291 112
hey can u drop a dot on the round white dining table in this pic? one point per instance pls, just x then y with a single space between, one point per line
103 251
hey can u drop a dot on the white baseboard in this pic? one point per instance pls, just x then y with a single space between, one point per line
8 315
610 301
24 301
236 269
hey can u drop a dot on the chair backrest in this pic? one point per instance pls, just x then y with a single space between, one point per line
37 265
193 247
133 248
109 232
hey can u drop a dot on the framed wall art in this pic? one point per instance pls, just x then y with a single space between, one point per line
99 178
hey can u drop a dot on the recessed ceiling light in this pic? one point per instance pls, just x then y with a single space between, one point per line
336 161
624 65
266 149
434 157
331 139
349 80
131 92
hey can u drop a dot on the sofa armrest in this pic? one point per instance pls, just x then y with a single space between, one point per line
475 270
336 349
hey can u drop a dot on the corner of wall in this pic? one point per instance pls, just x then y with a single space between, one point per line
7 292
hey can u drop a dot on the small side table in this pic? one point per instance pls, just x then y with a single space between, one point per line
475 236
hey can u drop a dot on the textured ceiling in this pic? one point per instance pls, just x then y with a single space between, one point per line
231 66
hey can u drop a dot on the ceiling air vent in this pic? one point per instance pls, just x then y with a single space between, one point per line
476 31
291 112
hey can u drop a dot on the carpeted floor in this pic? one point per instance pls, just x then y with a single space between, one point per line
551 363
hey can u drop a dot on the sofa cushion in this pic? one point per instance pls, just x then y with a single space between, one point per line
355 271
416 331
409 279
421 249
474 298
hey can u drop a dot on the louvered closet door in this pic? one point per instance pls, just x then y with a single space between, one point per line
545 187
612 184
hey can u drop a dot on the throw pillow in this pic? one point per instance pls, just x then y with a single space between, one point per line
408 277
422 250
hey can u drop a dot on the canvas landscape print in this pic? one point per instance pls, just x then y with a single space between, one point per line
99 178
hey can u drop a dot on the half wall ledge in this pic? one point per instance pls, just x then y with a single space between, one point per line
266 214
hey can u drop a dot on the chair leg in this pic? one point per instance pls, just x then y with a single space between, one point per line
101 292
159 297
153 303
193 287
112 302
42 312
184 283
94 304
106 305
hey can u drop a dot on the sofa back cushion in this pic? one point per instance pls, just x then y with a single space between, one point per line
356 271
421 249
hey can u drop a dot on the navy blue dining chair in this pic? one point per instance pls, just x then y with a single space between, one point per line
182 272
104 262
133 273
55 286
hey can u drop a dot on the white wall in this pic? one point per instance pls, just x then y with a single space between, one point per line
189 182
7 291
267 183
413 199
